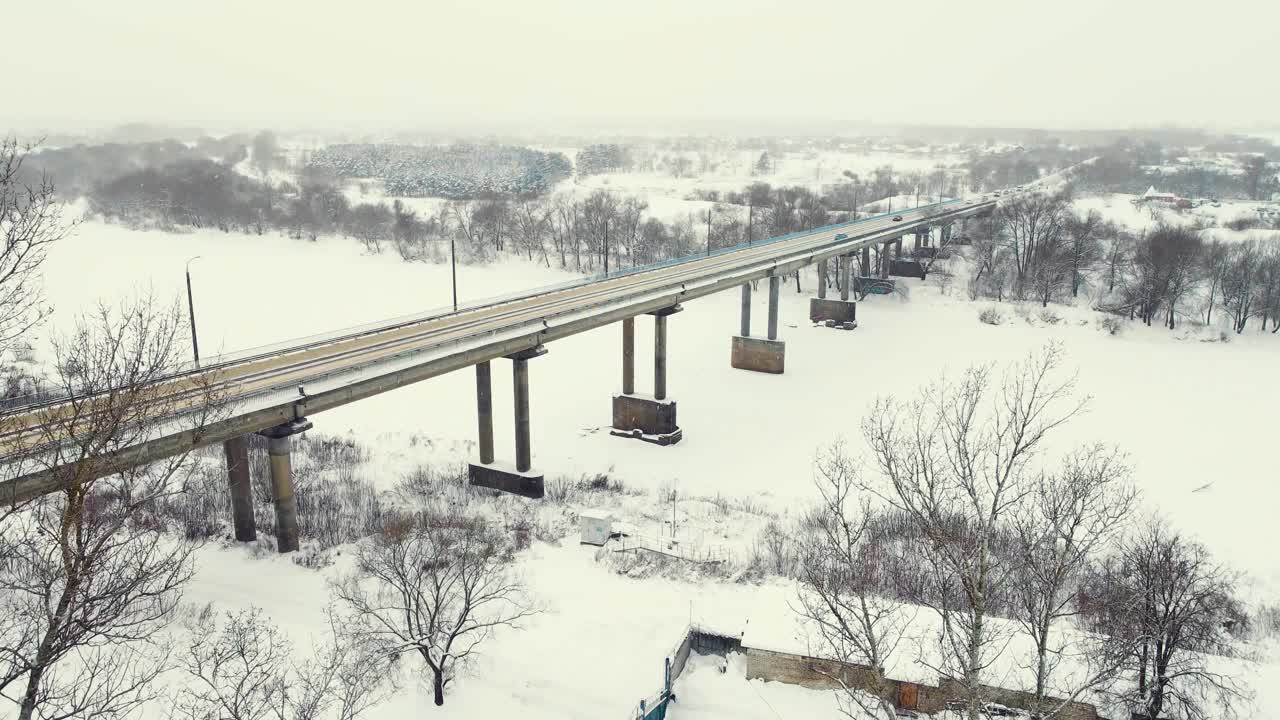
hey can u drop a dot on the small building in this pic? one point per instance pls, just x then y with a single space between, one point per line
1151 196
596 527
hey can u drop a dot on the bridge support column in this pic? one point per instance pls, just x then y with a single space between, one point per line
884 260
652 418
866 261
279 452
520 478
774 283
484 410
822 280
628 356
746 309
897 248
760 354
842 313
237 452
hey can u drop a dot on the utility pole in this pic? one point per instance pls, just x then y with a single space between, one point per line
750 208
453 269
191 313
606 247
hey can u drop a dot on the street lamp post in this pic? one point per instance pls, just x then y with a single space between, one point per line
453 269
191 313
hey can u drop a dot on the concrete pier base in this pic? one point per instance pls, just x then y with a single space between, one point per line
758 354
504 476
645 418
822 310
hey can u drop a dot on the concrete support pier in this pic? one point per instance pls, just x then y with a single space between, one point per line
866 261
279 451
520 478
628 356
237 452
484 410
842 313
660 356
651 418
822 279
760 354
774 284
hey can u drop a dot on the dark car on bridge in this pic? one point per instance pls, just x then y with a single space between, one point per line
897 218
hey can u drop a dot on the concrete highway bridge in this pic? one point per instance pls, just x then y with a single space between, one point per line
274 391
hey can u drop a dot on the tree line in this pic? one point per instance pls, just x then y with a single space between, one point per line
1037 247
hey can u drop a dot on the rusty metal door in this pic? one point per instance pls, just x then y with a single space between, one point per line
908 696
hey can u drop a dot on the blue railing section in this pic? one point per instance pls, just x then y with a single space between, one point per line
301 343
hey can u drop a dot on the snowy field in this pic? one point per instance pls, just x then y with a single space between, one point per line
1196 417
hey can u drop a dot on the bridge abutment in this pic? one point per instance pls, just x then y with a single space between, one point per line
760 354
519 479
636 415
237 452
279 453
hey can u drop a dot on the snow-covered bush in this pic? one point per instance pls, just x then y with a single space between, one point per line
1049 316
1112 324
991 316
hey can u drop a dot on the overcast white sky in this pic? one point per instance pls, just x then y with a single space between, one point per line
535 64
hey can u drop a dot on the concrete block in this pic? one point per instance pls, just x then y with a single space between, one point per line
505 477
758 354
642 417
841 311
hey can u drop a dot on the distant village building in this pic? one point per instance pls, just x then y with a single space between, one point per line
1151 196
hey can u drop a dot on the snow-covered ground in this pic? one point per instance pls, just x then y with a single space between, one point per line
1191 413
1121 209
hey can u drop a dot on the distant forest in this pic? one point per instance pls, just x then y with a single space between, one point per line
455 172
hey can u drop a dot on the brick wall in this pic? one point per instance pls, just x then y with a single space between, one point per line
822 674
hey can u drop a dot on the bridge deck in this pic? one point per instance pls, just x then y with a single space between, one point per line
264 389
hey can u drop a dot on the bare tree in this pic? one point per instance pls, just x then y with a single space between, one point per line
30 221
990 257
957 461
1268 302
1164 262
1239 280
1034 224
244 670
1084 247
841 566
1215 266
1119 248
437 585
90 575
1179 605
1070 517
